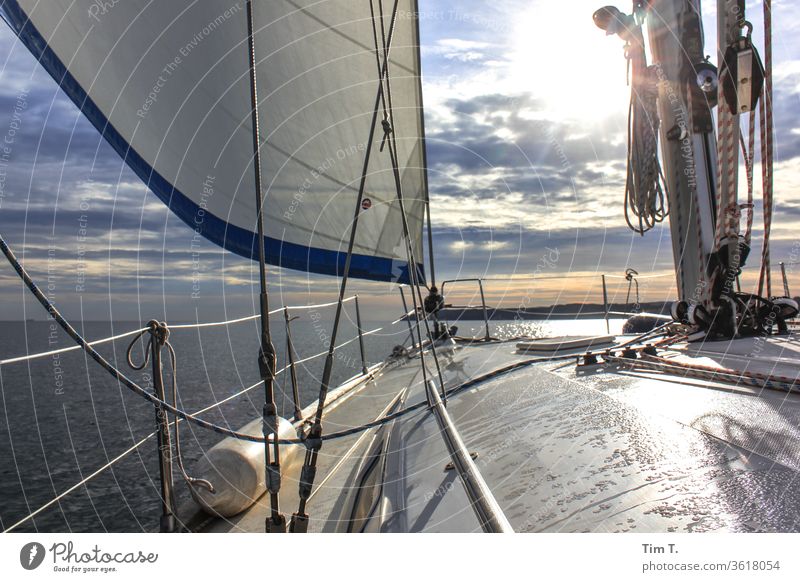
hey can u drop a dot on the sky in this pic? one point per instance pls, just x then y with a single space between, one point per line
525 116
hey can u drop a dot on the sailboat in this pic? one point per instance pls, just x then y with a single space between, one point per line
292 133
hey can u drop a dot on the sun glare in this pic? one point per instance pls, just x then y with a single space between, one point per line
562 58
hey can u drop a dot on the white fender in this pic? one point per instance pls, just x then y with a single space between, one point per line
236 470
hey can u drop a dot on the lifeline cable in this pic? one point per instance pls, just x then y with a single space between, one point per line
122 378
131 385
105 364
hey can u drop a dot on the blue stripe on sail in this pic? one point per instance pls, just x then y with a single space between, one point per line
229 236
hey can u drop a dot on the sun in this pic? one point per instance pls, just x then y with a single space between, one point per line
559 56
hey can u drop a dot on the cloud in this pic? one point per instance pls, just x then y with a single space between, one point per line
459 49
526 145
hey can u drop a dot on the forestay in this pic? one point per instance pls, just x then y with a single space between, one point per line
166 83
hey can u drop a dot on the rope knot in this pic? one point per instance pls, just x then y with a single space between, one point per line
159 331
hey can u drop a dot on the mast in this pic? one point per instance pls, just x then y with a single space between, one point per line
701 165
688 147
266 355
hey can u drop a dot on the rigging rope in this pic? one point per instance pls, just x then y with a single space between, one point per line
331 436
71 348
160 332
728 139
191 417
645 187
767 151
737 377
180 326
727 208
267 357
105 364
416 287
731 248
122 378
299 521
748 153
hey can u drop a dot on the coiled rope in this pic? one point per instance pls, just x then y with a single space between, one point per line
645 200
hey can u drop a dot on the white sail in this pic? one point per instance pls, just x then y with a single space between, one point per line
167 84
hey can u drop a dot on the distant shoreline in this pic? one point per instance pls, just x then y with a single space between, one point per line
565 311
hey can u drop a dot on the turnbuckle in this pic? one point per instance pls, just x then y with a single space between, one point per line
307 475
275 524
299 523
273 474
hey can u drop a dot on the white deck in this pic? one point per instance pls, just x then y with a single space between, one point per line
606 452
